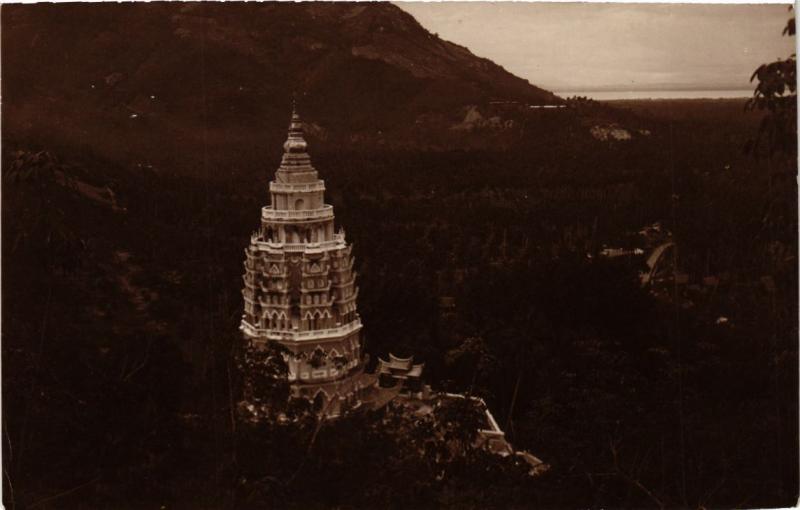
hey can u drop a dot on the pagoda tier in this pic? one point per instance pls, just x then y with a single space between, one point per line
299 283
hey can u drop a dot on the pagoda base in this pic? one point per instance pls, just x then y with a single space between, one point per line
334 397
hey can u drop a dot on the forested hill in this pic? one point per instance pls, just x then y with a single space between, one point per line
177 82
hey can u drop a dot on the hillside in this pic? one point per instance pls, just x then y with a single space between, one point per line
185 85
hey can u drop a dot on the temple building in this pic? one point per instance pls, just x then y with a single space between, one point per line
300 291
299 285
403 372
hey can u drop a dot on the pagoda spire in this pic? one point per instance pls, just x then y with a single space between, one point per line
295 142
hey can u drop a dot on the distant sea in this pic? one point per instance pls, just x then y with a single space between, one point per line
612 95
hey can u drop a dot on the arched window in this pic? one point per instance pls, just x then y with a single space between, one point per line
298 204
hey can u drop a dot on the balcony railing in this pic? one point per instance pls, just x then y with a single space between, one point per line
325 212
300 336
286 187
338 239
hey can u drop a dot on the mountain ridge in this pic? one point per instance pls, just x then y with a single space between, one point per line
192 81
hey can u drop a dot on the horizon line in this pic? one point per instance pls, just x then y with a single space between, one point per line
652 88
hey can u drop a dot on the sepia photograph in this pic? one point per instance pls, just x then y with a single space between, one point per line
399 255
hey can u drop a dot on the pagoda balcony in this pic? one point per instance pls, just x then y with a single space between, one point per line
273 289
295 335
336 242
312 290
349 298
285 187
323 213
323 304
267 304
311 247
265 272
348 282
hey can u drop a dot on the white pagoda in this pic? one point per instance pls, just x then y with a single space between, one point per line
299 285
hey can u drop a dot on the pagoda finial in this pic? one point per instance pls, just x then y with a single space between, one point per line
295 141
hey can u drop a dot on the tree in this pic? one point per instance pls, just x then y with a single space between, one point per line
776 94
265 374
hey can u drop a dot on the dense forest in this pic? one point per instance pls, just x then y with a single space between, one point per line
121 310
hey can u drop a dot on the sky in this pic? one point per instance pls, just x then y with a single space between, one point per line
591 47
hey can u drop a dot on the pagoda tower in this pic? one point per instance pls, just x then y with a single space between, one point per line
299 285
